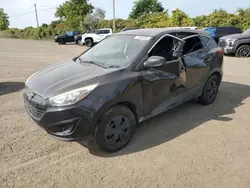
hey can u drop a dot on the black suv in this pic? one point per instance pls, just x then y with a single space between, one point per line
218 32
67 37
101 95
238 44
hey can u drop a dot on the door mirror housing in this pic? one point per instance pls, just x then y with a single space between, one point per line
154 61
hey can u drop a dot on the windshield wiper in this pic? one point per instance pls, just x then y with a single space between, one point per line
92 62
114 66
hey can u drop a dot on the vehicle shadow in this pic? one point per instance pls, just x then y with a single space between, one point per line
10 87
184 118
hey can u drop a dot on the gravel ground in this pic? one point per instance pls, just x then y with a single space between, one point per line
189 146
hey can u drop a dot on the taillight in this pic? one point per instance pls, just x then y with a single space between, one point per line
220 51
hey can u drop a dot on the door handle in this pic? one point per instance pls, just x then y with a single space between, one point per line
207 59
182 69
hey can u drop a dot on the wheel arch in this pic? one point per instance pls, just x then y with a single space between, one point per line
241 43
216 72
91 38
130 105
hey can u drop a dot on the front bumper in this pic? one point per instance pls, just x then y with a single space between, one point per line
226 47
229 50
65 123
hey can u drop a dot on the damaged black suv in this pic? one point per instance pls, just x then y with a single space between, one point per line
100 96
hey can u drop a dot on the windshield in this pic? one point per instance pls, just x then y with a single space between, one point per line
247 31
116 51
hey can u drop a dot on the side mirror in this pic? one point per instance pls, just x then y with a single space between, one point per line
154 61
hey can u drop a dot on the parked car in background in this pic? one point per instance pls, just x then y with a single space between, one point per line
89 39
67 37
237 44
101 95
78 38
192 27
218 32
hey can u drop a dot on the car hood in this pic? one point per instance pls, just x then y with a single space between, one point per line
66 76
236 36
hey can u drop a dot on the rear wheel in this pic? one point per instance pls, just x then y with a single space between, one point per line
61 41
89 42
243 51
79 41
114 130
210 90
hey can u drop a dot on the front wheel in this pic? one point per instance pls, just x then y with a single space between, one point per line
243 51
210 90
89 42
114 130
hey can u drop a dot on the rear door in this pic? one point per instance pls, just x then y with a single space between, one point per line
197 60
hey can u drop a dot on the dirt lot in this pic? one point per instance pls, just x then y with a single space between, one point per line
189 146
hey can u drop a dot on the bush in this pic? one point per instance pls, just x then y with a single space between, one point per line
153 20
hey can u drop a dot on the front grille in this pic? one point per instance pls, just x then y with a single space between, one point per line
222 43
34 112
34 105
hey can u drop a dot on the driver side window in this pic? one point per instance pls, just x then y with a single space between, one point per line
164 48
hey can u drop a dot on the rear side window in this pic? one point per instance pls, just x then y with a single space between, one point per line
105 31
205 40
76 32
192 44
212 44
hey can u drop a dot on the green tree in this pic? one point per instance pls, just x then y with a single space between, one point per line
92 21
144 7
180 18
154 20
243 16
222 18
4 20
201 21
74 12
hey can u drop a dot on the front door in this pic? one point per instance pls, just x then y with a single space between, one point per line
161 84
70 37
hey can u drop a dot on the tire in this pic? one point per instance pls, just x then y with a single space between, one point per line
210 90
89 42
243 51
114 130
61 41
79 41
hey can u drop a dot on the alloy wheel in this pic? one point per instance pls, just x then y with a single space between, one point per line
244 51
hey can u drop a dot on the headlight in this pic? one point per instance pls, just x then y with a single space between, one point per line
230 42
71 97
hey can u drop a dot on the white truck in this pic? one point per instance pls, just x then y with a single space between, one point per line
89 39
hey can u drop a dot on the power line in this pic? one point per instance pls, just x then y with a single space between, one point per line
28 9
25 14
46 9
49 6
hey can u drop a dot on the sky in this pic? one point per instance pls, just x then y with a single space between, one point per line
17 9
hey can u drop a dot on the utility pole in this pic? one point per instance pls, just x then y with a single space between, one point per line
114 28
36 16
